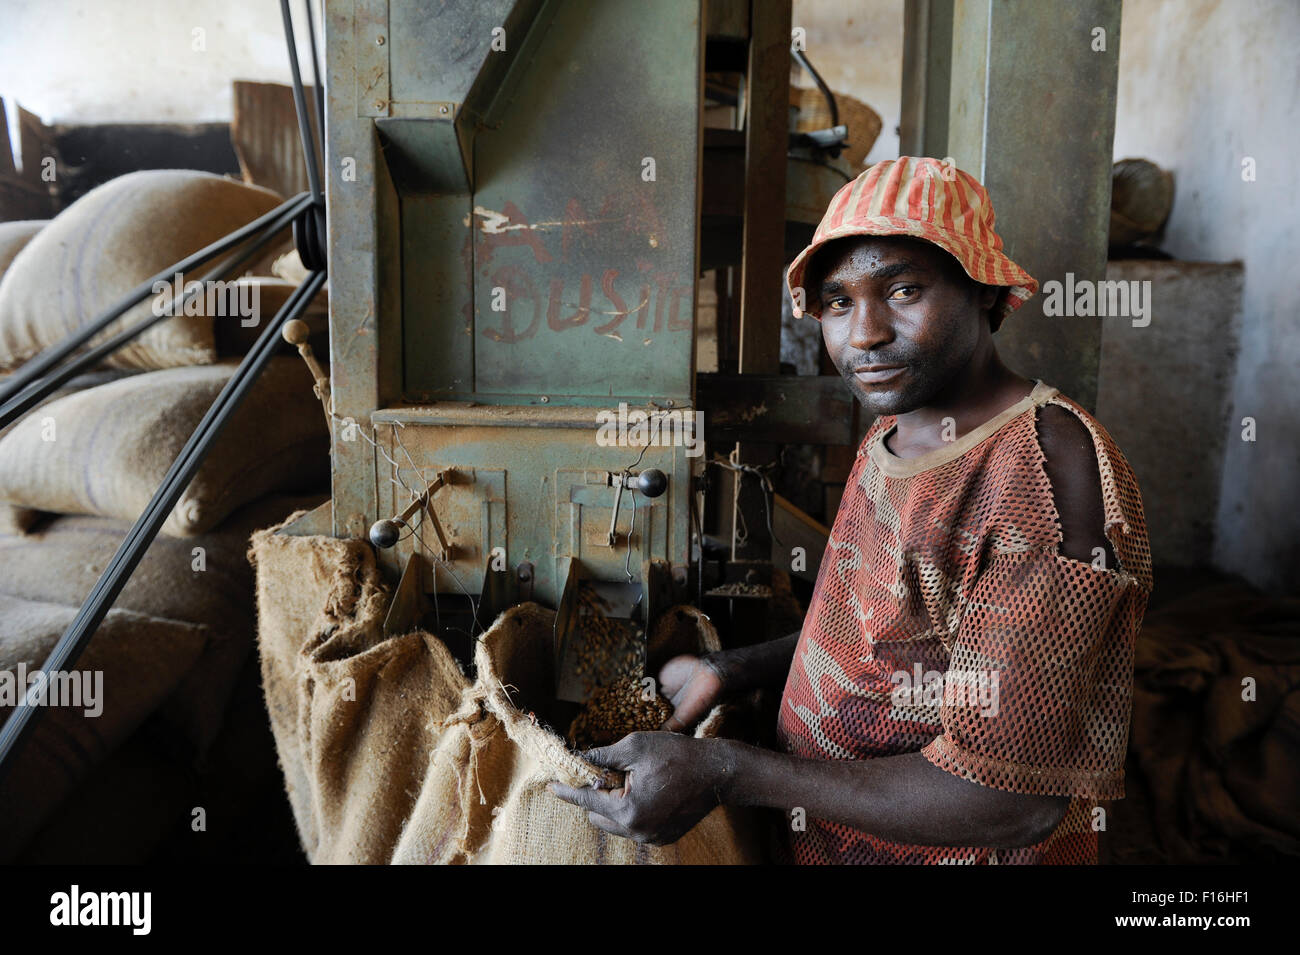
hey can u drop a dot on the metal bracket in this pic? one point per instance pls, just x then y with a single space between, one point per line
371 38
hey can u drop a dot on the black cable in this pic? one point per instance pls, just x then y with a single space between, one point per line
317 71
300 105
33 369
24 718
821 85
32 396
820 162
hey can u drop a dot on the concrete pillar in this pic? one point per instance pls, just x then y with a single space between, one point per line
1031 114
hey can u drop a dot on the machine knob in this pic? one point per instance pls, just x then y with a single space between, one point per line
385 533
652 482
296 332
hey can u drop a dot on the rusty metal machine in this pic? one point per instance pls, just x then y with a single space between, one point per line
520 199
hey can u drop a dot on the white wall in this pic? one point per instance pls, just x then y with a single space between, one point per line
134 61
857 47
1203 85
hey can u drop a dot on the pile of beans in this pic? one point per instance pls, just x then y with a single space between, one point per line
616 710
609 648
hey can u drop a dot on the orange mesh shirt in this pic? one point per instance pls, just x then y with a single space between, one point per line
945 620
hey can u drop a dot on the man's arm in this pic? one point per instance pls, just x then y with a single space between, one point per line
671 782
1070 463
760 666
694 684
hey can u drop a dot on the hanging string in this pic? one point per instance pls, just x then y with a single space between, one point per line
762 472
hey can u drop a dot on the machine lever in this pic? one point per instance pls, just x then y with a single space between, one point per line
385 533
651 482
297 332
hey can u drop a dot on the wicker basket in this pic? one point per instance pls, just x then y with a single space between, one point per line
1141 197
811 112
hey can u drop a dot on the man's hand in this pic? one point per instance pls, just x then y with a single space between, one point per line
670 784
692 686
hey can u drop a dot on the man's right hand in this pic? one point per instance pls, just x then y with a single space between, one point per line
692 686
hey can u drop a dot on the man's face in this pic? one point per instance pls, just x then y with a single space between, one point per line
900 319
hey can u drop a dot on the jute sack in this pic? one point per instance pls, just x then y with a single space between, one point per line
16 520
115 443
60 562
19 520
485 798
13 237
109 241
354 713
141 658
391 755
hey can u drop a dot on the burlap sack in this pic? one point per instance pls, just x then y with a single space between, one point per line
109 241
485 798
289 267
14 236
16 520
60 561
19 520
391 755
114 443
234 337
354 713
141 659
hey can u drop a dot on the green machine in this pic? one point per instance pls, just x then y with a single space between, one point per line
519 208
512 194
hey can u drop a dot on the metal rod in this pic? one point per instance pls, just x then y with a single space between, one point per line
15 407
47 359
300 104
24 718
317 72
821 85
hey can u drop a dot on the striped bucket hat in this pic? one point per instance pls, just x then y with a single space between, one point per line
928 200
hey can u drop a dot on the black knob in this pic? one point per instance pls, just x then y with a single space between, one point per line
384 533
652 482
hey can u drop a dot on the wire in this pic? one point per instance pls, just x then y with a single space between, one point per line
627 563
821 162
23 718
821 85
300 106
423 544
759 471
37 377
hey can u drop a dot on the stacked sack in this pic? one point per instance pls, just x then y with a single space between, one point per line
78 468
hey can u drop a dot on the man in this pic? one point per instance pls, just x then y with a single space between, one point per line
960 691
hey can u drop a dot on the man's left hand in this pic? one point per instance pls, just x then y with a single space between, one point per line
671 782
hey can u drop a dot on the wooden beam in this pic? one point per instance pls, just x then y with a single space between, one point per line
767 124
775 409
